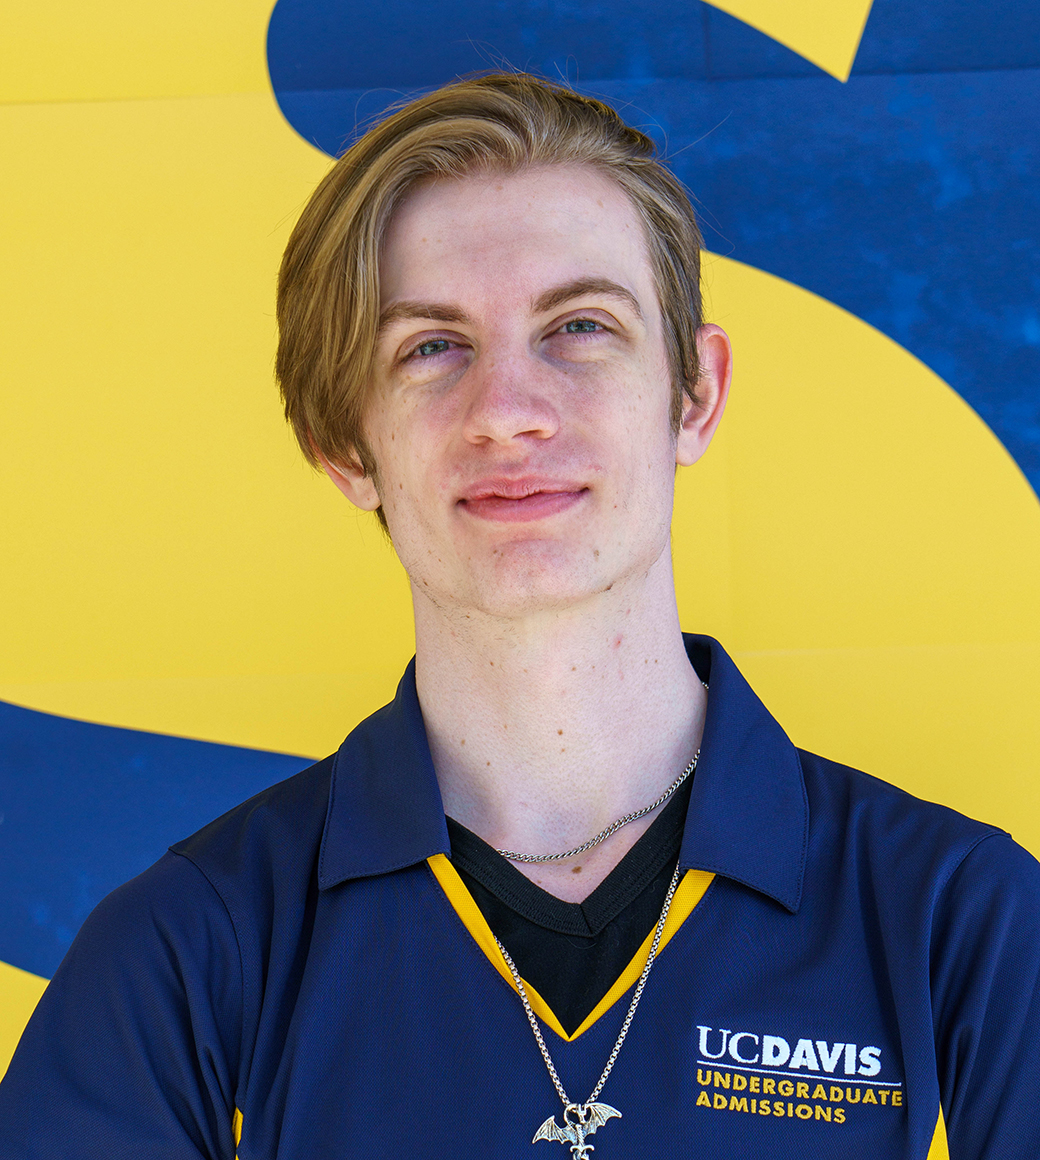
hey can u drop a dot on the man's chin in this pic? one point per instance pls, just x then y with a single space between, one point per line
532 581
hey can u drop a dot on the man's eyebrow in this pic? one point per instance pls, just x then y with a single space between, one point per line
428 311
558 295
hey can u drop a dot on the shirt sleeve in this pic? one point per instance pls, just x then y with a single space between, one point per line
132 1051
986 1003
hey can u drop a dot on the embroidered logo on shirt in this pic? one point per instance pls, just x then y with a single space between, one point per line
811 1079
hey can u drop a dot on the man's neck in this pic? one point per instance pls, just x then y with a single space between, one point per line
547 728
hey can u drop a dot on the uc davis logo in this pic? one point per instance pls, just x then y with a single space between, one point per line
746 1047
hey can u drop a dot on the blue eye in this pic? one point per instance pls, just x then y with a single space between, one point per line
434 346
580 326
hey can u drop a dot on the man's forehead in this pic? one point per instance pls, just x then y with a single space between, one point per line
532 235
472 193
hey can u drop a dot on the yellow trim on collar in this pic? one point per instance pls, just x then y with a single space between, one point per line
689 892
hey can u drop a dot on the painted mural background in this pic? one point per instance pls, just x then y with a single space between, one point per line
188 614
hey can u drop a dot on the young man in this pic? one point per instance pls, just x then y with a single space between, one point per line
574 880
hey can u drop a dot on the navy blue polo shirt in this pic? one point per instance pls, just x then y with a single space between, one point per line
847 972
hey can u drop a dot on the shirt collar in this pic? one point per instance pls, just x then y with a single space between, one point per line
385 808
747 819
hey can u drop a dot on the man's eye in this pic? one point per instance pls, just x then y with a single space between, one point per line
580 326
434 346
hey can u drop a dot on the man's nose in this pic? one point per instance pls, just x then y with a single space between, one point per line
510 396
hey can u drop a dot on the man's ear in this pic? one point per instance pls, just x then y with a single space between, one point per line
700 419
351 479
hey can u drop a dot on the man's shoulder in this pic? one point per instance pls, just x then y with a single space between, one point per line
273 836
884 826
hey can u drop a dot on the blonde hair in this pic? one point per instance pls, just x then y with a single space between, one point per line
328 287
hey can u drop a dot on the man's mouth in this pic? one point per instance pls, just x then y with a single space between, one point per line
518 500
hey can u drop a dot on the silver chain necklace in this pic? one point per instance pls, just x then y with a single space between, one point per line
581 1120
612 828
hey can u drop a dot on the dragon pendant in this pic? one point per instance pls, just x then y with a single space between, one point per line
579 1121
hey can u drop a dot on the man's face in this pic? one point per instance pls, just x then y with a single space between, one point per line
519 413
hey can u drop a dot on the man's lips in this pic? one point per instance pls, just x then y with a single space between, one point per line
517 500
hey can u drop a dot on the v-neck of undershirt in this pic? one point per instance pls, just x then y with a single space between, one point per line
629 878
573 952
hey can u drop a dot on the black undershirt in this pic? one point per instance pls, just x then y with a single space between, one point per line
572 953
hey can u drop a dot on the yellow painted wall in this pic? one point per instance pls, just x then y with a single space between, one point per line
870 553
827 32
19 993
